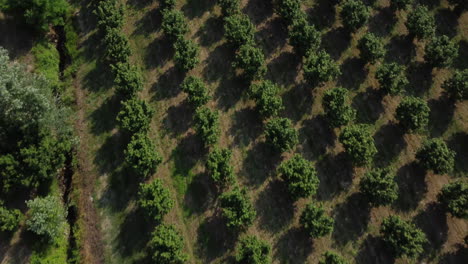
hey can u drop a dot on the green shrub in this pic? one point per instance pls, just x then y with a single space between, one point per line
128 79
229 7
420 22
141 155
207 125
238 30
454 196
117 47
196 91
337 109
359 144
457 85
379 187
354 14
135 115
436 156
47 61
266 97
300 177
174 24
289 10
319 67
280 134
167 245
155 199
315 222
400 4
391 78
371 47
219 167
403 237
304 37
331 257
252 250
168 4
237 209
186 54
9 219
110 15
413 113
441 51
46 217
251 61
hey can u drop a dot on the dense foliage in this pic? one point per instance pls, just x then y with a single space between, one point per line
280 134
117 46
454 196
186 54
413 113
371 47
252 250
168 4
421 22
174 24
207 125
436 156
402 237
457 86
331 257
229 7
289 10
300 177
9 219
358 143
354 14
135 115
109 14
237 209
320 67
304 37
337 109
155 199
379 187
268 102
219 167
167 245
238 30
196 91
46 217
391 78
441 51
141 155
251 61
315 221
399 4
128 79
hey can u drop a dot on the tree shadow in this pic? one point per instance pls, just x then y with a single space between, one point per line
100 78
383 22
433 222
368 105
274 218
336 41
200 195
211 32
187 153
353 73
178 118
258 10
315 136
158 52
122 188
213 240
351 219
429 3
458 142
441 115
103 119
335 174
461 62
139 4
284 68
297 102
389 142
373 250
110 155
293 247
196 8
149 23
168 84
259 164
246 127
218 63
419 77
400 49
322 14
230 91
272 36
457 257
16 36
411 185
446 22
134 233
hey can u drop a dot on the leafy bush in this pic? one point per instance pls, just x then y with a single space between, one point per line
174 24
436 156
167 245
413 113
331 257
400 4
141 155
186 54
420 22
207 125
454 196
289 10
319 67
155 199
315 222
457 85
219 167
402 237
358 143
238 30
280 134
379 187
265 94
135 115
47 62
110 15
304 37
196 90
253 251
117 46
229 7
337 110
441 51
354 14
46 217
251 61
237 209
9 219
391 77
168 4
371 47
128 79
300 177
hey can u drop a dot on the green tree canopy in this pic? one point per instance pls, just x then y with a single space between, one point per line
289 10
155 199
358 143
46 217
441 51
454 196
109 14
304 37
219 167
371 47
238 30
207 125
391 78
186 54
300 177
251 61
399 4
252 250
413 113
117 47
229 7
331 257
315 221
174 24
319 67
354 14
379 187
167 245
135 115
265 94
421 22
457 85
9 219
237 209
436 156
280 134
336 107
141 155
196 91
128 79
